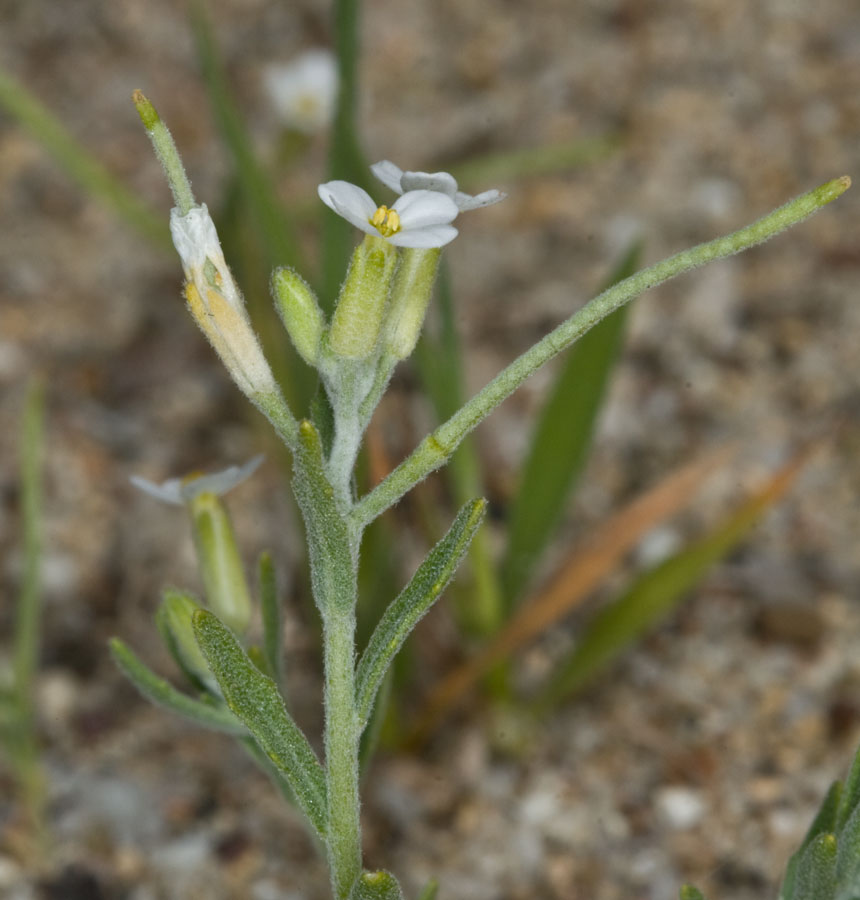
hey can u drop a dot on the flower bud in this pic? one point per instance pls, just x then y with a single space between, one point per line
174 623
299 311
410 295
358 318
219 561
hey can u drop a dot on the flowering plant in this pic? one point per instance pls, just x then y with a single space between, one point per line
375 325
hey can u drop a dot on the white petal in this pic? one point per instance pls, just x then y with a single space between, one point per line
304 90
195 237
219 482
423 181
426 237
487 198
167 492
388 174
418 209
350 201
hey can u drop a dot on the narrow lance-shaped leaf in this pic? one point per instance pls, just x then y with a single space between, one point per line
437 447
850 796
162 693
430 890
328 540
656 592
254 699
412 603
272 621
376 886
824 821
816 872
561 440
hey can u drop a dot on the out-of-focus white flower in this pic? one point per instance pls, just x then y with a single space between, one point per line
400 182
417 219
215 301
181 491
304 91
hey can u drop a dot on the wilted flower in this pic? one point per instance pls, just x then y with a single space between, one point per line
417 219
304 91
401 182
181 491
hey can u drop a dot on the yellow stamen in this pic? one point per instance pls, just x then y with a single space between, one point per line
386 221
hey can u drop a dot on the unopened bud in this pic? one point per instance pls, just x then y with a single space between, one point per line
357 320
300 312
219 562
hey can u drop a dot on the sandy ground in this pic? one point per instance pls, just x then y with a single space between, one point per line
699 757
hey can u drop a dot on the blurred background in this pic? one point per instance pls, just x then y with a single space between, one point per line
701 753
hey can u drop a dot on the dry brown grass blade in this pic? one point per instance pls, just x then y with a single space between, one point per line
576 578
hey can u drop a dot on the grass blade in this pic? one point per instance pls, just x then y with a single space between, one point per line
254 699
561 441
658 591
582 572
79 163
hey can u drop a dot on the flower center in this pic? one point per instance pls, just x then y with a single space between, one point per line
386 221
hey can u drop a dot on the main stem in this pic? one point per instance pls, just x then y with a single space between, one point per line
341 745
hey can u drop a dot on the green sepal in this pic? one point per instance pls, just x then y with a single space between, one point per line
162 693
824 821
376 886
816 871
410 295
299 309
690 892
255 700
404 613
328 539
173 620
270 608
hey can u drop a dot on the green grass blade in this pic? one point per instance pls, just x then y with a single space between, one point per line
430 890
162 693
270 607
254 699
426 586
79 163
659 590
561 441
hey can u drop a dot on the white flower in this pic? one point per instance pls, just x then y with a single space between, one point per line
400 182
181 491
215 301
417 219
304 91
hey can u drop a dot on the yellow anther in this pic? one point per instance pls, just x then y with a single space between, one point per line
386 221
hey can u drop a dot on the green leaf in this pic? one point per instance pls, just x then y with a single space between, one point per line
173 620
850 795
561 440
848 853
655 593
689 892
415 599
272 620
824 821
327 535
816 872
376 886
254 699
162 693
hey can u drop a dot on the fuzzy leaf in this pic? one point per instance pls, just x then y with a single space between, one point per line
824 821
848 853
561 440
412 603
816 872
689 892
328 540
255 700
376 886
162 693
850 794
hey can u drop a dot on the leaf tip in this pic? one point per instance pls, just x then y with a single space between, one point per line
145 110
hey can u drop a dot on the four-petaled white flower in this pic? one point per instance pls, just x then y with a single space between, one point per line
401 182
304 91
417 219
181 491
